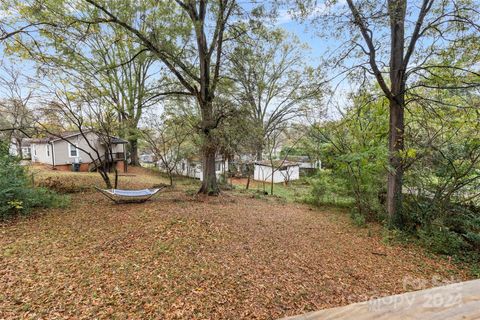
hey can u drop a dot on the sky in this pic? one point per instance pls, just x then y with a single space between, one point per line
304 31
320 47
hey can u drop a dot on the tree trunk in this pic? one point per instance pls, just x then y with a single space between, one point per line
134 160
170 177
209 149
396 170
19 148
209 183
106 179
116 176
259 156
397 11
271 183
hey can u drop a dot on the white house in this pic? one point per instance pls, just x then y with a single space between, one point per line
24 146
282 171
147 158
307 165
63 151
193 167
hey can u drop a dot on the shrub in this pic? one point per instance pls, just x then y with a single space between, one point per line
327 190
357 218
17 195
442 240
444 227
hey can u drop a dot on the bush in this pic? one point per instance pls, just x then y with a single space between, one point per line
327 190
442 240
444 227
17 195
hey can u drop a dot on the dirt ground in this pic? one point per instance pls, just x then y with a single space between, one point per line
186 257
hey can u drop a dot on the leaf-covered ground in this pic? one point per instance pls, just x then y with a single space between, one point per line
184 257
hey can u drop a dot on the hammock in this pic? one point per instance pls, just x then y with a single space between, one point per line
129 196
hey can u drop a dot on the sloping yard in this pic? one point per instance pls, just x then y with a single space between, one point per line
182 257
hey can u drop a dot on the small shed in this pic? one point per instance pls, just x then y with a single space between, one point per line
282 171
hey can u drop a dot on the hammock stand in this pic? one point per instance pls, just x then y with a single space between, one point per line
129 196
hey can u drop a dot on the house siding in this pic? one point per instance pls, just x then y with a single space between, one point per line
193 169
264 173
39 153
61 150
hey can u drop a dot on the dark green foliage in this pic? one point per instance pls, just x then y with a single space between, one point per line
442 160
451 229
354 149
17 196
328 190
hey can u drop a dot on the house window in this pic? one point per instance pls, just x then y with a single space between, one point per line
72 151
48 151
218 166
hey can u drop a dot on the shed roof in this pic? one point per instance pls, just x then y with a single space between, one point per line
276 163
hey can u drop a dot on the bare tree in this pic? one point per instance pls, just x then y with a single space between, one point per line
273 80
166 137
84 111
274 141
14 111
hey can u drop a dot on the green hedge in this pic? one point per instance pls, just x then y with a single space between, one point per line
17 195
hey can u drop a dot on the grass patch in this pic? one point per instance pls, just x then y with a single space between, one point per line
295 191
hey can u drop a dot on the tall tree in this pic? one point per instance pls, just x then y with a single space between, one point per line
187 37
194 57
17 118
126 74
106 57
273 80
398 43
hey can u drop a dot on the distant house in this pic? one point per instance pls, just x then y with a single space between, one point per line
21 147
147 158
307 165
192 167
282 171
63 151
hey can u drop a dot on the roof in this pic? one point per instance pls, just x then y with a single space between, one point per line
40 140
299 158
69 134
117 140
56 137
276 163
26 142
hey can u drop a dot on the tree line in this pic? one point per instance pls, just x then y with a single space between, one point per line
238 70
